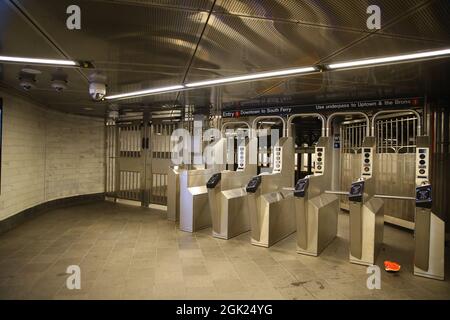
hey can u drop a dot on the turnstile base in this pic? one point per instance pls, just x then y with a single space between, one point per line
267 245
316 223
314 253
232 218
195 214
307 253
274 221
420 273
360 262
367 228
434 258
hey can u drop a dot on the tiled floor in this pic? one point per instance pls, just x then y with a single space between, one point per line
132 253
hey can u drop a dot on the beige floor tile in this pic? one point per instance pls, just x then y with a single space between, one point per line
132 253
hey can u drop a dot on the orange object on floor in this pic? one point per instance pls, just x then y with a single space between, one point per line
390 266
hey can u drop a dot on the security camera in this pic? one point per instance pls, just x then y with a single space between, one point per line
97 86
59 80
59 85
27 81
97 90
27 85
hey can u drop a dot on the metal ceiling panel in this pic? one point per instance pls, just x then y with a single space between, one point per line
116 32
17 37
204 5
430 22
379 45
234 45
429 77
149 43
327 13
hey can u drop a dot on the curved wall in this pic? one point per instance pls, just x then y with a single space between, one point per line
47 155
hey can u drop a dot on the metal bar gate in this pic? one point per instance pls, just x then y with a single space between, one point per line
138 155
396 142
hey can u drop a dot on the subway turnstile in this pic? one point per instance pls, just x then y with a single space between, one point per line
316 211
429 228
366 211
227 197
195 213
173 189
272 213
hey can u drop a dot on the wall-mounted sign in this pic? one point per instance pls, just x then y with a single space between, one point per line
327 107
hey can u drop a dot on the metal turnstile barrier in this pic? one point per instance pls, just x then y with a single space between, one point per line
227 194
195 212
430 229
271 208
316 211
366 211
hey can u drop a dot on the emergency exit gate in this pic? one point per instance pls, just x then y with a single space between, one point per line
138 156
396 140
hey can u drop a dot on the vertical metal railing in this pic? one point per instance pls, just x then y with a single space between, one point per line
161 155
130 149
111 158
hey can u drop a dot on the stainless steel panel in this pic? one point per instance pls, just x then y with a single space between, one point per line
422 238
228 200
367 217
431 265
272 212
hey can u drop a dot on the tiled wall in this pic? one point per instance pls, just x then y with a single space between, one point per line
47 155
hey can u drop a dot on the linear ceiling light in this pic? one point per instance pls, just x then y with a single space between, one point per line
290 72
39 61
145 92
253 76
388 60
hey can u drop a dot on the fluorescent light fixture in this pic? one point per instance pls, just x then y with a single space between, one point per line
288 72
38 61
253 76
387 60
145 92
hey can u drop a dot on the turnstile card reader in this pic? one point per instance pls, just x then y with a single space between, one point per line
214 180
366 211
253 185
316 211
272 212
227 197
356 191
300 187
429 228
